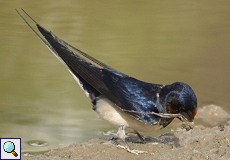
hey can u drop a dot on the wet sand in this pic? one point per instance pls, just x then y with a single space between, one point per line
210 140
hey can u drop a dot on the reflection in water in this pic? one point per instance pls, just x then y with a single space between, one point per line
159 42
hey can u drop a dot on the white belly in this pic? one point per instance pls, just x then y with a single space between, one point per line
111 113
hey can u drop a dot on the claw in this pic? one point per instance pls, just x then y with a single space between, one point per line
133 151
121 134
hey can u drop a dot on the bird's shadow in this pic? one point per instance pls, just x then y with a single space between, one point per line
167 138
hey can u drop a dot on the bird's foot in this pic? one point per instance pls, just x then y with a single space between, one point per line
133 151
121 135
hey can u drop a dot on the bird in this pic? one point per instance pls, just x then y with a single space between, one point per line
120 99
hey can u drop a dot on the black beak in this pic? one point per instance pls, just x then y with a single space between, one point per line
186 116
187 121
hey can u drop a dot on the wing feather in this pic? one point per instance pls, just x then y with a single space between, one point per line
135 97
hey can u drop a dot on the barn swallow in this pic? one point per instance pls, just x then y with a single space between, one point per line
122 100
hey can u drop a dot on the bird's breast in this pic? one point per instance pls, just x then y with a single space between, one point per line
114 115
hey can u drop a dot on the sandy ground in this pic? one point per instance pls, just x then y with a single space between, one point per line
211 142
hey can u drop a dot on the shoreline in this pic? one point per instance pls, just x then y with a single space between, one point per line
197 144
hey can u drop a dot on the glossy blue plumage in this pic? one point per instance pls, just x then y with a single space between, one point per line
134 97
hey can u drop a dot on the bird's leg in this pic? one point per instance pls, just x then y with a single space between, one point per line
140 136
121 135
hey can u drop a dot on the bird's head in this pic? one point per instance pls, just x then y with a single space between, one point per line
181 99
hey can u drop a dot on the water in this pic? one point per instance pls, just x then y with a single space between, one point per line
155 41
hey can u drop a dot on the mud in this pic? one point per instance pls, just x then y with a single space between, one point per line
210 140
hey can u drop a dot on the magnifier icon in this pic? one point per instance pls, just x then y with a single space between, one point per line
9 147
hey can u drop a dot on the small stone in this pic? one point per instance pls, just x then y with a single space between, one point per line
212 115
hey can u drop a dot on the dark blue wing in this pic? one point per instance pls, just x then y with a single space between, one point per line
133 96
